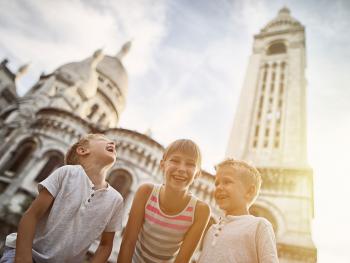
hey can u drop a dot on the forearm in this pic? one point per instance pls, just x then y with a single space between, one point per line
182 258
25 236
102 253
126 252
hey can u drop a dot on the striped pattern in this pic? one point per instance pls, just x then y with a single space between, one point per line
161 235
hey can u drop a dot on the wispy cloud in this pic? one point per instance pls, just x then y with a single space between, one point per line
55 32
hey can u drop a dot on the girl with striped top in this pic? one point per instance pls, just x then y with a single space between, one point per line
166 221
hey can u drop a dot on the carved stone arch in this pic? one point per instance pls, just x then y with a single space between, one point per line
19 157
54 159
263 212
269 211
121 180
132 171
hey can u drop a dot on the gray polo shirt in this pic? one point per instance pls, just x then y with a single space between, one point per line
78 216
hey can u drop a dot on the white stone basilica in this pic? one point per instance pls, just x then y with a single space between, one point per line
89 96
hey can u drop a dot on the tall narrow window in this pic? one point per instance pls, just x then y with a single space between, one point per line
102 118
19 159
257 130
93 111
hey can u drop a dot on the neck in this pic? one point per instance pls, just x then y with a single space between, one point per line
239 211
169 192
97 174
172 201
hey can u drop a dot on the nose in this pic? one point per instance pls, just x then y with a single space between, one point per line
181 167
218 187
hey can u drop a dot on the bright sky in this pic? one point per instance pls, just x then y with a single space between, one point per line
186 69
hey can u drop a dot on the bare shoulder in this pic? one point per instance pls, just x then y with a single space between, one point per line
145 189
143 192
202 209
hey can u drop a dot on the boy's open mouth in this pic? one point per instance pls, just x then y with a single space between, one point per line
110 149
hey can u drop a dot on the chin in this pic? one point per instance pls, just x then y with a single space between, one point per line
222 206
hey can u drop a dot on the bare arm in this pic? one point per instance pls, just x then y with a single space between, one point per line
195 232
136 218
27 225
105 248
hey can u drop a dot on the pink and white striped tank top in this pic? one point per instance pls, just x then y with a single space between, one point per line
161 235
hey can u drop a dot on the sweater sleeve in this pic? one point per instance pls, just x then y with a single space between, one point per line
266 243
115 224
53 182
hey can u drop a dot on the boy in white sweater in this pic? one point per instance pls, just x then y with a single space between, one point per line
238 237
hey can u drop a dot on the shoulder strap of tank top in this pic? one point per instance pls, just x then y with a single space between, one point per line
154 193
192 204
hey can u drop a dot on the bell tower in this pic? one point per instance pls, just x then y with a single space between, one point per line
269 130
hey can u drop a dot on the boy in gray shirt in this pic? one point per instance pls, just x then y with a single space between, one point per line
74 207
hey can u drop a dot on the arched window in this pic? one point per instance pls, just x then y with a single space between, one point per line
120 180
277 48
263 212
55 160
19 158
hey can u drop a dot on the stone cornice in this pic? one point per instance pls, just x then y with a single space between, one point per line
279 32
302 254
283 179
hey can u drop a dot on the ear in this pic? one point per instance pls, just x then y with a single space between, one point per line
161 164
251 191
81 150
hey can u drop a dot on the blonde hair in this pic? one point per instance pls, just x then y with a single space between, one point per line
184 146
72 157
251 177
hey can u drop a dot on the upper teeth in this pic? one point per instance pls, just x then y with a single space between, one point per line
179 178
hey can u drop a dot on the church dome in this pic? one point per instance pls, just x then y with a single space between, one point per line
110 67
283 21
75 71
113 69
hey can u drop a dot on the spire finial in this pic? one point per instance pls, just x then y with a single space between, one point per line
284 11
124 50
96 58
22 70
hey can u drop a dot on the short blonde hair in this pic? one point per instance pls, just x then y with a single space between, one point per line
72 157
251 177
184 146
